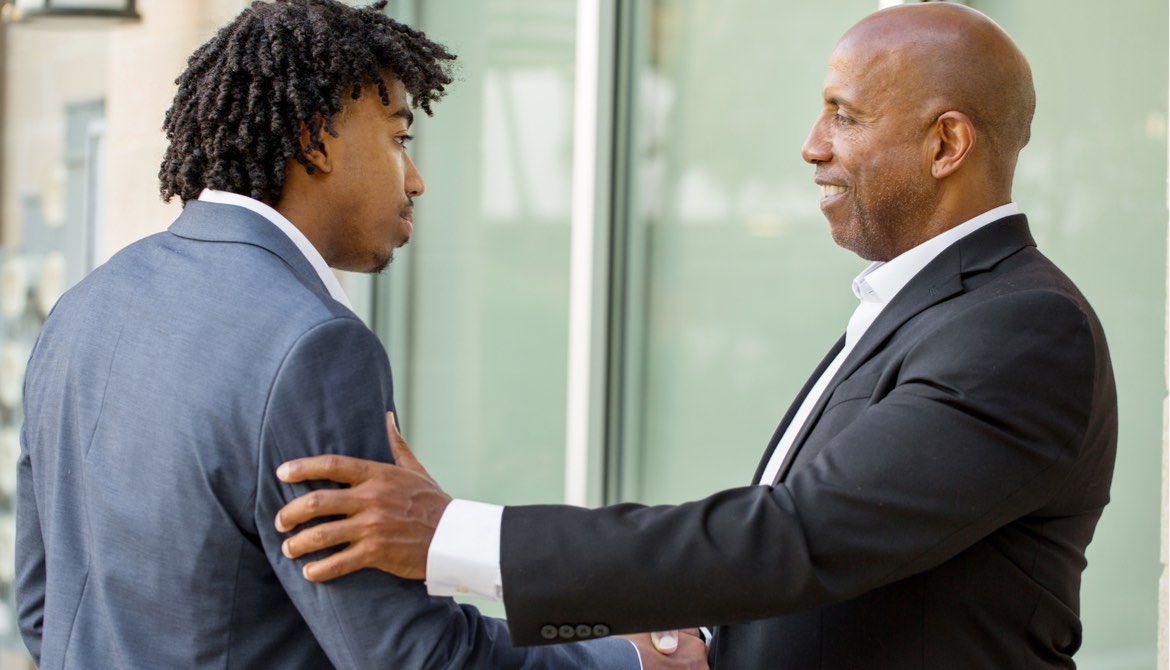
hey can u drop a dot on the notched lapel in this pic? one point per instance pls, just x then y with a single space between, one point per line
941 279
793 407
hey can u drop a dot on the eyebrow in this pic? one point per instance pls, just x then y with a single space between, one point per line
840 102
403 113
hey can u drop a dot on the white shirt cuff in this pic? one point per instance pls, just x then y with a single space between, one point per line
464 558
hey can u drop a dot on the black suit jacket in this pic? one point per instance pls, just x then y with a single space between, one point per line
933 512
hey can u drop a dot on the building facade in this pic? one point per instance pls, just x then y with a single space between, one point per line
620 275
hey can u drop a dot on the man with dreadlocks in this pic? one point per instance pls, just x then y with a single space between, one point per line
168 385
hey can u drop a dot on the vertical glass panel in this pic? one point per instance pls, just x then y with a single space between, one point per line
482 390
736 290
1093 181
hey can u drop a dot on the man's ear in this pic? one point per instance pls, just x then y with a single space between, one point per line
317 154
953 138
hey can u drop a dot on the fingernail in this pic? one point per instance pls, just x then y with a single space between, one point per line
284 549
280 524
666 640
282 472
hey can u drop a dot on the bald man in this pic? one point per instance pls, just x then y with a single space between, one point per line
927 500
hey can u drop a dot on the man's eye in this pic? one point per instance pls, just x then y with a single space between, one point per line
403 139
842 119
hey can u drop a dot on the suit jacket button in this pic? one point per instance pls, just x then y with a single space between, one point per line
548 632
584 630
567 632
600 630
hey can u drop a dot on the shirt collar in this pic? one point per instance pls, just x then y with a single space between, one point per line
880 282
298 238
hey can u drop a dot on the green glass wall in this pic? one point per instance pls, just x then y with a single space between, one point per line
735 288
478 308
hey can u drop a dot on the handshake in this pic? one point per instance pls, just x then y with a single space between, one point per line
682 649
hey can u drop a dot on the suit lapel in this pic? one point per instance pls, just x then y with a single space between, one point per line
794 406
214 222
941 279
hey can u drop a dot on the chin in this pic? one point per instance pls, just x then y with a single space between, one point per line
380 263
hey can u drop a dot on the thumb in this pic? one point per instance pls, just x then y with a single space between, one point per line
666 642
403 456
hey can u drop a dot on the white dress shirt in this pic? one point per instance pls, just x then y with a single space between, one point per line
298 238
464 557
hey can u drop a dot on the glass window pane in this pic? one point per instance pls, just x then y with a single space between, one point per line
482 391
737 289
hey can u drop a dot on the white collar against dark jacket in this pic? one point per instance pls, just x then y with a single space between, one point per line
880 282
291 231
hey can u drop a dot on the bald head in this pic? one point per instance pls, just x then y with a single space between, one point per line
952 57
925 110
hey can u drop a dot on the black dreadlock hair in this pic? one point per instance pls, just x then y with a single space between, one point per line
237 116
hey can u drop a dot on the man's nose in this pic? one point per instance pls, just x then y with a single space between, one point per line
815 148
414 181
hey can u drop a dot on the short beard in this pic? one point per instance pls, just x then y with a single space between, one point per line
890 223
380 264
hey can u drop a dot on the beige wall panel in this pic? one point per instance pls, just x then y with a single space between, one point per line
46 69
144 62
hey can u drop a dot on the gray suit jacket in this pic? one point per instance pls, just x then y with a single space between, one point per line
932 513
161 396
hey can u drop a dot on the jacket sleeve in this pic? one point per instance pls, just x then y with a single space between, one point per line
983 421
330 396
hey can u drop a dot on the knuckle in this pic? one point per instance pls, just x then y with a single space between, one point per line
319 536
312 501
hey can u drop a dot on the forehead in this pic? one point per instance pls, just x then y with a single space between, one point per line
397 91
862 69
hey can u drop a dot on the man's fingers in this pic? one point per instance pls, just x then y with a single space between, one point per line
319 537
321 502
666 642
402 454
336 565
344 469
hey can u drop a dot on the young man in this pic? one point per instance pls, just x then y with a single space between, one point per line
168 385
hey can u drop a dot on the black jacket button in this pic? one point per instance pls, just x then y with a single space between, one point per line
548 632
600 630
584 630
567 632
